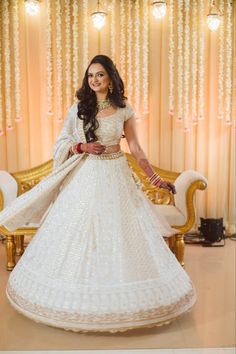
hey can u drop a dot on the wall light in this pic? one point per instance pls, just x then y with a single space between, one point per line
32 7
98 17
159 9
213 18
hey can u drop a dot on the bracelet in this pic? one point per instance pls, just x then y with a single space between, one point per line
76 149
155 178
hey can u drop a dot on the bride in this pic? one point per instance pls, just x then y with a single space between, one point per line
98 261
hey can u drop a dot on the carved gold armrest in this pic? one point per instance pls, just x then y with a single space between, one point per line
29 178
198 184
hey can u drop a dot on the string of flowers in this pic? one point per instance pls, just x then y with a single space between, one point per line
7 66
75 47
112 29
137 55
201 62
145 56
130 87
49 57
68 68
122 39
1 106
16 45
228 63
59 60
194 63
180 59
171 58
221 55
186 66
85 34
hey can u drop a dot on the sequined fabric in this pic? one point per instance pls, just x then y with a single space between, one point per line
98 261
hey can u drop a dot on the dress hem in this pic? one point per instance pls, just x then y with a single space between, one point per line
103 327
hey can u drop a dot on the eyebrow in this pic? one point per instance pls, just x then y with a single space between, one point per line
98 72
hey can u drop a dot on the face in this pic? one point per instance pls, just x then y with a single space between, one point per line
98 79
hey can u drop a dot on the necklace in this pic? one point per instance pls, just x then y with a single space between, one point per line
101 105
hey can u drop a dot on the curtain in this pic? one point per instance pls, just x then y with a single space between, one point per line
56 45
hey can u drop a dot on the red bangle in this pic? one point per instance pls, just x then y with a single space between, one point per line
78 148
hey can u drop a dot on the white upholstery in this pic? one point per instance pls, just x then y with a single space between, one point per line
8 186
182 183
172 214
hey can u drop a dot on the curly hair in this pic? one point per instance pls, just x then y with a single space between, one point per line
87 106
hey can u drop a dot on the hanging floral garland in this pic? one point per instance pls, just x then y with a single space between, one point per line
137 55
201 62
171 58
75 34
145 51
180 59
221 55
16 45
85 34
113 30
59 60
49 57
130 87
68 68
186 65
194 63
1 106
122 39
228 64
7 61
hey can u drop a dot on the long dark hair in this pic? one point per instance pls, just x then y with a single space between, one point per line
87 106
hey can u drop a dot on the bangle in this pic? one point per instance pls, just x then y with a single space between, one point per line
78 148
155 178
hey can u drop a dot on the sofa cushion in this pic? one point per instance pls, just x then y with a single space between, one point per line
172 214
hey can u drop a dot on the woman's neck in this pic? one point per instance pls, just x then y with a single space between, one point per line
101 97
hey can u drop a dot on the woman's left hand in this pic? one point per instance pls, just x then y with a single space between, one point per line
167 185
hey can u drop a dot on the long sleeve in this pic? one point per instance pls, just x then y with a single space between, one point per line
66 138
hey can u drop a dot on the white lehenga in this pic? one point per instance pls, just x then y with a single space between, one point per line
99 262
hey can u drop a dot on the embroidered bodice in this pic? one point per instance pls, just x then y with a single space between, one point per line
111 127
109 131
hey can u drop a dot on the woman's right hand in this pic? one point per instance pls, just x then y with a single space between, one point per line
93 148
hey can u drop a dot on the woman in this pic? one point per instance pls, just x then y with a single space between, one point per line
98 261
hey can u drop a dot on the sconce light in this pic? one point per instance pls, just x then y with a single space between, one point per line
98 17
213 18
32 7
159 9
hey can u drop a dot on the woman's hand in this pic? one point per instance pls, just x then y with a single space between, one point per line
166 185
93 148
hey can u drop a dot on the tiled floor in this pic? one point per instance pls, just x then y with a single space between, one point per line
211 324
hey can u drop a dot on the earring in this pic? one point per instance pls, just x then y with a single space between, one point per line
110 87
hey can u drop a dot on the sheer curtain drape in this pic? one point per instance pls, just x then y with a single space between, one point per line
209 147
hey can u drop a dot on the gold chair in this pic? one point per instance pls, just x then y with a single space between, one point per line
178 210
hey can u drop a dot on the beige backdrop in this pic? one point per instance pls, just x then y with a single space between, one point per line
209 147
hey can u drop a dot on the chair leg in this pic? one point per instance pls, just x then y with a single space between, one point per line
11 252
172 241
19 245
179 249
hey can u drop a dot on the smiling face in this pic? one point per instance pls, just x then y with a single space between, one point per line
98 80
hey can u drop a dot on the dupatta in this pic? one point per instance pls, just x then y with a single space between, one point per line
30 208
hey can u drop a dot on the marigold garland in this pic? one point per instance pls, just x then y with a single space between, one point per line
68 67
145 51
7 61
59 61
49 58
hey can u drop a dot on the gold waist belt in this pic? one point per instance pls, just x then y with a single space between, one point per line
112 156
